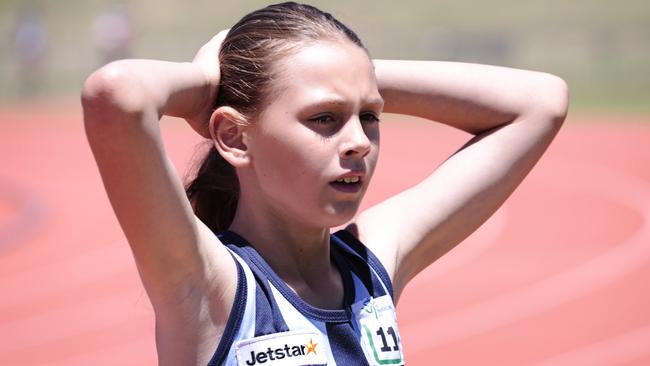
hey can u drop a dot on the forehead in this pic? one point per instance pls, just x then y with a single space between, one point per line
327 69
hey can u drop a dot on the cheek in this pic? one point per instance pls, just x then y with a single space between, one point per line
290 163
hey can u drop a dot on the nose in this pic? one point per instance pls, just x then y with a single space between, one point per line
356 143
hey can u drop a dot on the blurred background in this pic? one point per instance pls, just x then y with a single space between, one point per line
601 47
557 277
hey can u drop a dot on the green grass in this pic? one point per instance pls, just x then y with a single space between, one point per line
602 48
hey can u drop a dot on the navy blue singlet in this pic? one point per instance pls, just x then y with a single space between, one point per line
270 325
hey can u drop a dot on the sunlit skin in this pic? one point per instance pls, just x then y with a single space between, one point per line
319 125
323 125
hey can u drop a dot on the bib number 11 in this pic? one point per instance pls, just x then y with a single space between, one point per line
379 333
385 347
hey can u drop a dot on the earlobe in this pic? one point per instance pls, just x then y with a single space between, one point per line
227 128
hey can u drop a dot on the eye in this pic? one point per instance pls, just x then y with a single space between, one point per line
369 117
324 119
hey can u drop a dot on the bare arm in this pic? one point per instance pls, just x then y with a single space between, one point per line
514 115
181 262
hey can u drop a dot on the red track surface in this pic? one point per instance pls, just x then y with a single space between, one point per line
559 276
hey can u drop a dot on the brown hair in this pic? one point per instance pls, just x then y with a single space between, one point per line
249 51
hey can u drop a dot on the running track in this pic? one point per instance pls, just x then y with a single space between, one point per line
559 276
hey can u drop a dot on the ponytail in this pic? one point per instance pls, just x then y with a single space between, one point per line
214 192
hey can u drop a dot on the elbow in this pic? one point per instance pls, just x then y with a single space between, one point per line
109 93
113 103
99 87
551 98
558 105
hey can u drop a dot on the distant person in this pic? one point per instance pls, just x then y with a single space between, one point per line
30 40
112 33
240 265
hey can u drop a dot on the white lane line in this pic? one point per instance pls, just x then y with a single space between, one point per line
471 248
623 258
613 351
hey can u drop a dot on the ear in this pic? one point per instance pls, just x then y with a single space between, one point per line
228 128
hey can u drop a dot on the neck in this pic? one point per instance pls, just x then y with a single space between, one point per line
297 252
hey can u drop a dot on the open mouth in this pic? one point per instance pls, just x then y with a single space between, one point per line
347 184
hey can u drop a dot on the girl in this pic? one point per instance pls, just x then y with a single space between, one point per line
291 102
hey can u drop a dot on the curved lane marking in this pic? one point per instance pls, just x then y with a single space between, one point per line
479 242
613 351
563 287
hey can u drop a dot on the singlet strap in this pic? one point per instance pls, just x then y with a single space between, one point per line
351 244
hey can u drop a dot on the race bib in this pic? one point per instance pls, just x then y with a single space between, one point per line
380 338
282 349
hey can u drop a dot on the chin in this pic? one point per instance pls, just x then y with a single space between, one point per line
341 213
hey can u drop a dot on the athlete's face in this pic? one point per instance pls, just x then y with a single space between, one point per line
315 147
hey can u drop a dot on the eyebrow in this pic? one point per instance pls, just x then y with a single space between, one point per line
339 101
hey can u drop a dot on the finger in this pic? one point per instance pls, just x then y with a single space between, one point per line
222 35
216 41
211 48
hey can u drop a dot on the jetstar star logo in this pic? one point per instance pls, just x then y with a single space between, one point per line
311 347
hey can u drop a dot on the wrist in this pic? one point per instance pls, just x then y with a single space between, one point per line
188 92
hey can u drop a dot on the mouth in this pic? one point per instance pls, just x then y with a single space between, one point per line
348 184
